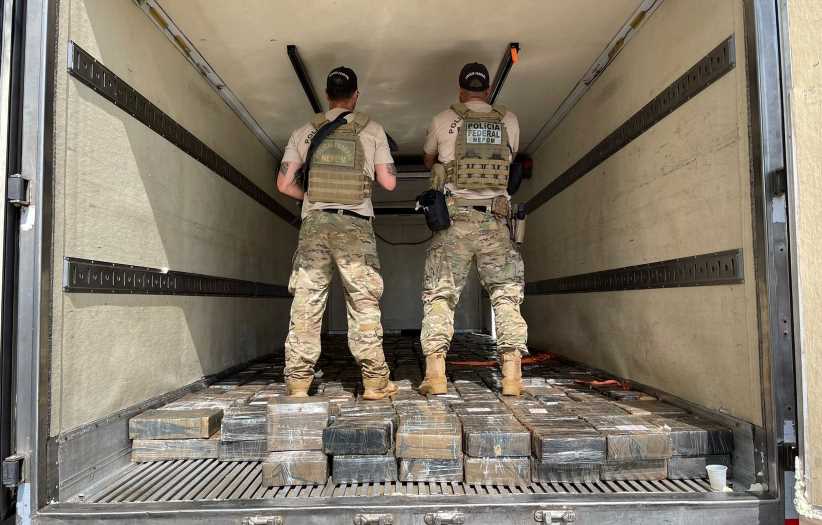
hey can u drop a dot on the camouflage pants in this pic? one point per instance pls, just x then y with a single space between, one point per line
327 239
473 235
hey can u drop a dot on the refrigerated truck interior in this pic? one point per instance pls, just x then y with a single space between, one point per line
672 154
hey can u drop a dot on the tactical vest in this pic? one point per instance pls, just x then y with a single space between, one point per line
482 154
337 172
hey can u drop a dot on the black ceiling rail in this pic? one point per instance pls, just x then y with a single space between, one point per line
305 80
508 61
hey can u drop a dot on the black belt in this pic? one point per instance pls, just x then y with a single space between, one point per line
346 212
482 209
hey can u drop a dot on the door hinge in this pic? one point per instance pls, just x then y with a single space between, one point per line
779 181
17 190
555 516
444 518
13 470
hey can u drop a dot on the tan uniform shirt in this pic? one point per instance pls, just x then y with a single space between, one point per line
375 147
442 140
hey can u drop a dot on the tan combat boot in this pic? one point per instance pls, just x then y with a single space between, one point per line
379 388
511 373
298 387
435 381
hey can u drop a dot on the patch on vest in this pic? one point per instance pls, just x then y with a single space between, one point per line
478 132
336 152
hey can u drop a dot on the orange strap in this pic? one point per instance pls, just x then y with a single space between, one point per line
608 382
490 363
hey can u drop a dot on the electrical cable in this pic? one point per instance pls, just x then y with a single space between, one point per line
415 243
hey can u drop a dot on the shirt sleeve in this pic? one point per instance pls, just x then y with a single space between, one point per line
292 150
382 151
431 143
513 132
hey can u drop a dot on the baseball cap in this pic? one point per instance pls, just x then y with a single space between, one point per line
474 77
341 79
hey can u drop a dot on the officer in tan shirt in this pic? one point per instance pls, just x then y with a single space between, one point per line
475 143
336 231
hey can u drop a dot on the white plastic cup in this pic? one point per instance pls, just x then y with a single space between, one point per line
717 475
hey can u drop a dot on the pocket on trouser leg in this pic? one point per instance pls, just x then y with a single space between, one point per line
295 271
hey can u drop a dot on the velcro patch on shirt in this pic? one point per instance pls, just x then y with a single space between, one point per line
478 132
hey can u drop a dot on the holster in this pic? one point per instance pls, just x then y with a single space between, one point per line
516 223
435 209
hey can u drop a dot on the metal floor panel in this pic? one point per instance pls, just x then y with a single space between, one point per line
212 480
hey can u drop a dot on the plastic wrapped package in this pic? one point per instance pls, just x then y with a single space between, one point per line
495 436
365 468
287 406
633 438
370 435
433 470
200 402
568 442
593 408
642 470
481 408
263 397
175 424
429 436
680 467
295 468
565 472
143 450
629 395
655 408
692 436
296 432
498 471
245 423
248 450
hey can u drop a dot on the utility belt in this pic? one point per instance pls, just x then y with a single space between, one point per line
346 212
435 204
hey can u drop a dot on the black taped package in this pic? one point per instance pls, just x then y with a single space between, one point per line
360 469
359 436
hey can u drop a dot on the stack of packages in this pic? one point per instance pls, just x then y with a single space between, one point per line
295 441
361 443
179 433
497 447
429 442
565 448
696 443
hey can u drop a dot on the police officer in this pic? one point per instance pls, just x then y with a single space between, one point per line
475 143
336 230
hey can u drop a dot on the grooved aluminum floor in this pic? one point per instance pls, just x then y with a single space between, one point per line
210 479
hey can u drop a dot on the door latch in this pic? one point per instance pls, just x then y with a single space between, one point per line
444 518
373 519
13 470
17 190
555 516
263 520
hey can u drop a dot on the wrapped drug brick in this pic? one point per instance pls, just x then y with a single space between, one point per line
295 468
633 438
593 408
481 408
362 469
642 470
431 470
248 450
435 436
245 423
143 450
498 471
175 424
564 472
692 436
654 408
495 436
367 435
568 442
286 406
680 467
297 423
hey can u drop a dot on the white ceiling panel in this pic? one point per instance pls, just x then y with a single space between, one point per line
406 54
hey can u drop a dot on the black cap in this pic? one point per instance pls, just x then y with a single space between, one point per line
341 79
474 77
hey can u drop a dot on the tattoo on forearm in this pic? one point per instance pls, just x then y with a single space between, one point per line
392 169
283 169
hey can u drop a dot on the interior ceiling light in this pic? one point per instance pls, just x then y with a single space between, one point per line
180 41
617 44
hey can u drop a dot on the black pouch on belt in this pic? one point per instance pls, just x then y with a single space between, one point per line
435 208
514 177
